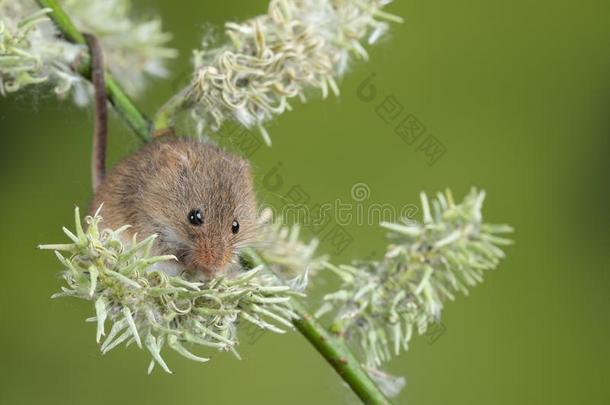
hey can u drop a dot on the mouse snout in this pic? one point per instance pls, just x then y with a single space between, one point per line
210 257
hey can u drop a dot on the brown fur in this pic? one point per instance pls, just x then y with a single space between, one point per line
154 189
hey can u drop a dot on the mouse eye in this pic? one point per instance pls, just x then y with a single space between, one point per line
235 227
196 217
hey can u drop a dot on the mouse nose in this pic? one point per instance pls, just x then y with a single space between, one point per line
211 257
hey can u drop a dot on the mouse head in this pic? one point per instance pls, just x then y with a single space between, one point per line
204 204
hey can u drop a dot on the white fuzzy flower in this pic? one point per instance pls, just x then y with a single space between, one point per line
147 306
29 50
32 52
297 46
289 258
133 48
380 305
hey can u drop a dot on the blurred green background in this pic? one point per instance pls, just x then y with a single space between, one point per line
519 95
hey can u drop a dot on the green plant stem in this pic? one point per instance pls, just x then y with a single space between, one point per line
338 356
329 345
164 119
332 348
122 103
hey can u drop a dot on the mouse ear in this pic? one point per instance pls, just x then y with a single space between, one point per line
172 156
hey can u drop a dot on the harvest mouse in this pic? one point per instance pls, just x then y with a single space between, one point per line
198 199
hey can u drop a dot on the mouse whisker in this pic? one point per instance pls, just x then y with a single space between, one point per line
169 243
